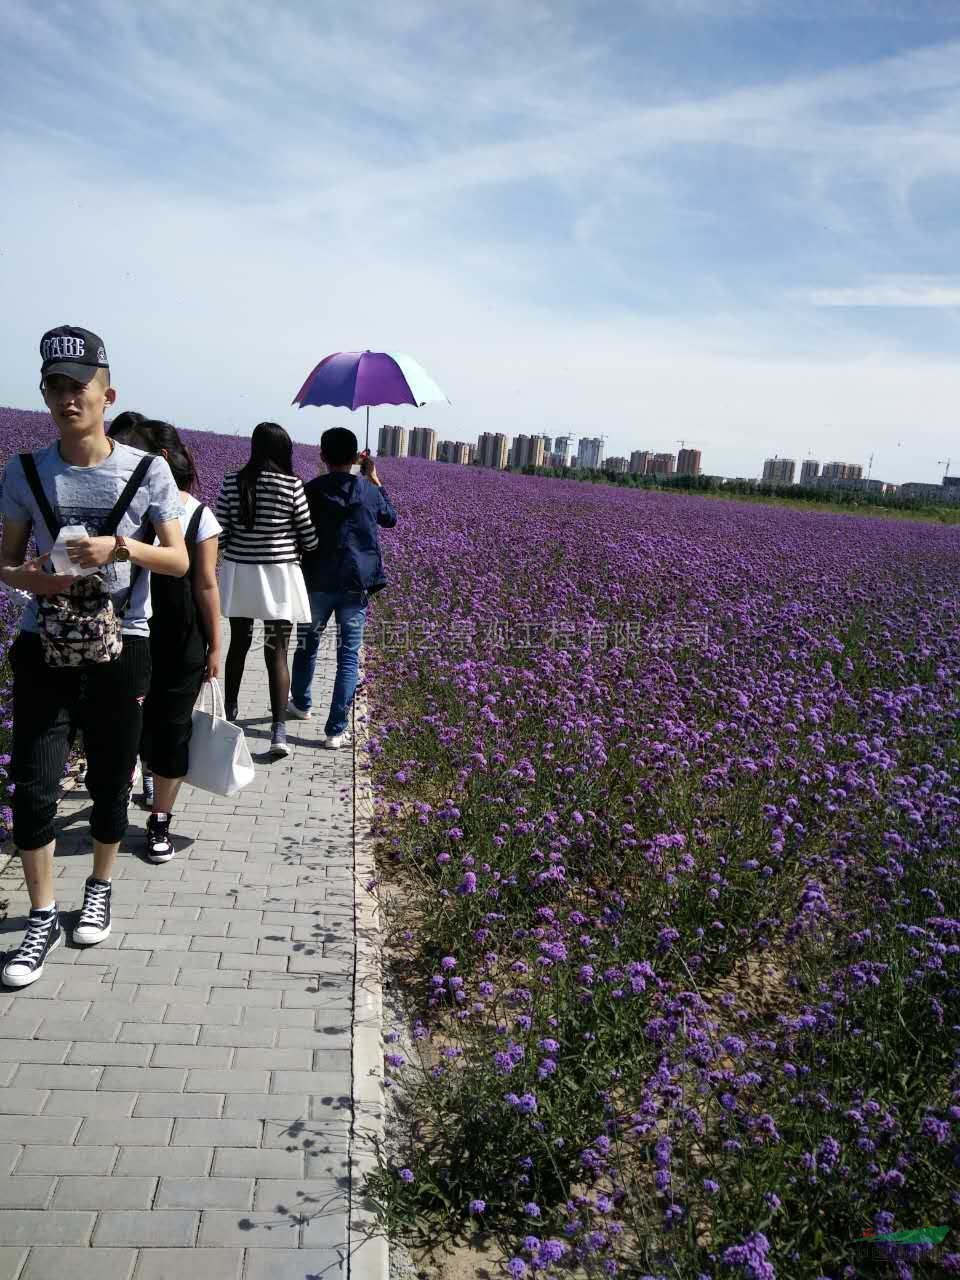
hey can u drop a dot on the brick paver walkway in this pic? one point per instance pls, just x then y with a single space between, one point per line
187 1084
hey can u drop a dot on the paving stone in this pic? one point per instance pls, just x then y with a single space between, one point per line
174 1264
63 1027
231 1081
205 1193
246 1162
81 1102
107 1055
161 1033
192 1056
88 1161
168 1227
45 1226
311 1082
218 1133
276 1059
22 1102
140 1079
173 1162
62 1263
239 1037
11 1262
206 1016
26 1191
247 998
261 1230
267 1106
32 1050
305 1264
96 1193
198 1106
39 1130
125 1132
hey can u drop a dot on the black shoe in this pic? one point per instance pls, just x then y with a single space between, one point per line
159 845
43 935
231 711
94 923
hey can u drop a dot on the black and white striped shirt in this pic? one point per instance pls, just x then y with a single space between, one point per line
282 528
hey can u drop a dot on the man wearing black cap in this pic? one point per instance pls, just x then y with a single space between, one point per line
85 479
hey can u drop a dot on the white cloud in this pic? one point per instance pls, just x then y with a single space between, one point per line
892 291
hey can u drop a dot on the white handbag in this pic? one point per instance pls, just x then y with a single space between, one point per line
219 756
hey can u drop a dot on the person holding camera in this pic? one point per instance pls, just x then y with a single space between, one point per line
342 574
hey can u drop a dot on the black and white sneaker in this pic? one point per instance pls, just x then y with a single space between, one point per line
94 923
159 845
279 746
43 936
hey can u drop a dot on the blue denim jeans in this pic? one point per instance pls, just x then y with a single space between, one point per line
350 612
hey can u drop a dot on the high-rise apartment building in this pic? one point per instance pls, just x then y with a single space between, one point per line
662 464
616 466
423 443
527 451
392 442
688 462
561 451
453 451
492 450
842 471
809 470
590 453
639 460
547 445
779 470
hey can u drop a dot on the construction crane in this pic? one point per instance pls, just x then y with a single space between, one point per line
940 462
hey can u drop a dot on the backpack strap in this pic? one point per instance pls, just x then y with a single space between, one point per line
130 488
32 476
193 528
117 514
190 536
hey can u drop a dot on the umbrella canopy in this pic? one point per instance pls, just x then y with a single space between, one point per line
353 379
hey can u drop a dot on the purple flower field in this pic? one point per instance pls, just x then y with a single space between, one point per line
669 816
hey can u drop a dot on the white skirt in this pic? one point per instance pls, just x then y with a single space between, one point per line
274 591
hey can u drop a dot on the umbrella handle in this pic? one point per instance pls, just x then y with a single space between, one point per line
367 445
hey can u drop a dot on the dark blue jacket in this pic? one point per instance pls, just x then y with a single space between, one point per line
346 510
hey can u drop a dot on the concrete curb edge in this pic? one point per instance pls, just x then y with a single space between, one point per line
368 1254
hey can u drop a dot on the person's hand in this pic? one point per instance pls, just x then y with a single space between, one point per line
370 472
91 553
30 576
212 669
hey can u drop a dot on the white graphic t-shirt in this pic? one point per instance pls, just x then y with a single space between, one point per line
87 495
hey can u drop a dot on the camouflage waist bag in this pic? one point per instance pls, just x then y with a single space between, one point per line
81 627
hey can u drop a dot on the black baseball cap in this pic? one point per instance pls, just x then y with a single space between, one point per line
76 353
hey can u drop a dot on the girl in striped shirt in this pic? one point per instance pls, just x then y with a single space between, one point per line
266 526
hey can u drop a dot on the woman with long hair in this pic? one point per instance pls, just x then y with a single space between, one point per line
266 523
184 638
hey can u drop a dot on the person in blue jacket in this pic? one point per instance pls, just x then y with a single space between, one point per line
341 575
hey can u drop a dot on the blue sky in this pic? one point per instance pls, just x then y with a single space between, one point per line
728 221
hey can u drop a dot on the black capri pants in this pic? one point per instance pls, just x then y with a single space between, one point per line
168 712
105 702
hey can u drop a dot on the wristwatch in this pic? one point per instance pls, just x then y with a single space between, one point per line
121 552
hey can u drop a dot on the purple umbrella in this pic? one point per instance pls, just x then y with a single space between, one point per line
352 379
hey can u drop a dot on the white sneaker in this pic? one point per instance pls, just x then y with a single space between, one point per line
297 713
337 740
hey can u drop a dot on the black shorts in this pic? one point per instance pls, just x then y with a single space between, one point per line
168 717
105 702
